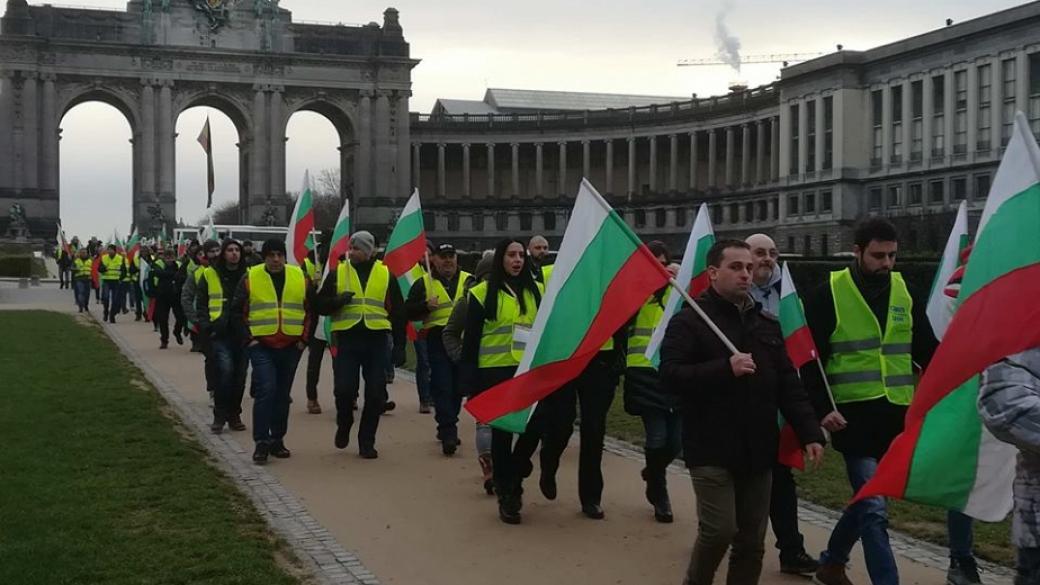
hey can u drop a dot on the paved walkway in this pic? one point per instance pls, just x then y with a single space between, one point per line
416 517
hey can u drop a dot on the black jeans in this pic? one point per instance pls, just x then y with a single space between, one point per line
162 318
511 462
361 356
594 391
230 360
315 353
444 389
783 514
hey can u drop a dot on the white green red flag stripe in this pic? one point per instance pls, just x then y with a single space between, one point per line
133 246
406 281
801 349
298 240
407 244
945 456
602 276
693 270
339 246
942 302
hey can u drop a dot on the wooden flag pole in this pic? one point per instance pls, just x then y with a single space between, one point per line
704 316
826 384
428 278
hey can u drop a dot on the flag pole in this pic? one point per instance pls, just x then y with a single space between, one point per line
429 278
704 316
826 384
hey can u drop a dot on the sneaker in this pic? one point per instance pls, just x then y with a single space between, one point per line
313 407
800 564
342 437
260 454
368 453
278 450
390 406
593 511
963 572
163 345
831 574
424 408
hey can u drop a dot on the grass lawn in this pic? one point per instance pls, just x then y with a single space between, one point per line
829 487
100 485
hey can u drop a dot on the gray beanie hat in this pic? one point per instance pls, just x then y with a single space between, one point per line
363 241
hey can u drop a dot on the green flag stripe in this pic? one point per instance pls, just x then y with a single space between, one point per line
574 311
407 229
700 263
792 318
1000 243
306 202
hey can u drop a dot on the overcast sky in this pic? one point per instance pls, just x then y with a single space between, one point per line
466 46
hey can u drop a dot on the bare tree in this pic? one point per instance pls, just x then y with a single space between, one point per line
223 214
328 183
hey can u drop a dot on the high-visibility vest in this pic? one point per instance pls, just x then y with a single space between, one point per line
112 266
445 301
83 268
128 264
267 314
639 336
368 304
500 346
311 270
863 364
215 290
546 275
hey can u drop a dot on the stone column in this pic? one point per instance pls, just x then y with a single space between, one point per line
490 169
948 111
803 137
562 186
442 178
908 120
820 131
7 121
586 159
774 155
166 144
927 114
838 132
886 126
539 186
148 139
693 161
404 138
760 151
745 154
673 163
631 166
49 136
31 125
258 184
515 147
465 170
609 166
653 163
385 157
278 138
416 165
731 153
712 157
363 158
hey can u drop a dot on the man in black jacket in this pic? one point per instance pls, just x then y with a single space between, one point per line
729 403
167 278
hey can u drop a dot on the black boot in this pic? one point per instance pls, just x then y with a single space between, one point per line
509 507
654 474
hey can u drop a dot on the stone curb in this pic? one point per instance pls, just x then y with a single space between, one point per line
326 561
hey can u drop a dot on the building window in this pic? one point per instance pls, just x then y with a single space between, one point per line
874 198
917 120
525 221
478 222
790 244
794 139
828 132
826 201
660 218
982 141
640 218
502 221
749 211
938 116
981 186
680 216
876 109
430 221
763 210
734 213
776 209
824 245
716 214
1034 93
960 120
895 196
897 124
549 220
936 192
916 194
792 205
453 222
807 244
810 202
810 146
959 186
1007 114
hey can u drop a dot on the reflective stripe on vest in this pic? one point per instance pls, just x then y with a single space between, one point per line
268 316
215 290
438 316
639 337
498 346
547 272
369 304
113 266
863 364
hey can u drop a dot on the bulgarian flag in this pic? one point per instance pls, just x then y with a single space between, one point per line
602 276
801 349
62 243
133 246
406 281
338 247
945 456
942 302
298 240
694 270
407 244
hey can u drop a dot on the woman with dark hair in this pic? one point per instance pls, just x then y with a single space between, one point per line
499 317
645 398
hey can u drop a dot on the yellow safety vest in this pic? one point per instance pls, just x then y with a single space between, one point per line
499 345
113 266
546 275
84 268
368 305
639 336
438 316
268 315
863 364
215 290
311 270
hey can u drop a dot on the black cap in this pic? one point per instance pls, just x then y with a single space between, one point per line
445 250
273 245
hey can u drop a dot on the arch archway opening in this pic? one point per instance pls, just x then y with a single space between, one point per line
318 141
230 197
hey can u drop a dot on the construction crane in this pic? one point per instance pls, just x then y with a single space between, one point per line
784 58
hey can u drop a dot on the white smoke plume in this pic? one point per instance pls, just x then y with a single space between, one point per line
728 45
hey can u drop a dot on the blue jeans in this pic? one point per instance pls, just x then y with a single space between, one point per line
663 429
230 368
273 373
423 374
444 387
866 520
960 533
1028 567
81 289
111 297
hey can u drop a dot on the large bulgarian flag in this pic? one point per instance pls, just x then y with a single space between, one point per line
801 349
407 244
602 276
298 240
942 302
693 272
339 246
945 456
